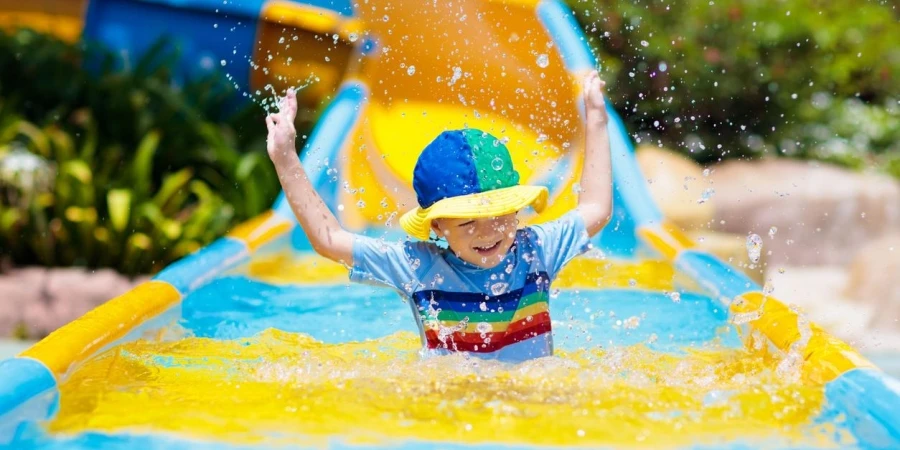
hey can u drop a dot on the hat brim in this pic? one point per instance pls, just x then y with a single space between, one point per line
498 202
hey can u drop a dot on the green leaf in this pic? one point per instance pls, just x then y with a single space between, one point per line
119 203
142 166
173 192
38 138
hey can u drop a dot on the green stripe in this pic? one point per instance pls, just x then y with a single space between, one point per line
485 150
493 317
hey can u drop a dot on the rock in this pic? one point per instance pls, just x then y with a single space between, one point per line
818 291
874 280
821 213
42 299
18 289
677 185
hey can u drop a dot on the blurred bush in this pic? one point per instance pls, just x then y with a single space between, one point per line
737 78
120 168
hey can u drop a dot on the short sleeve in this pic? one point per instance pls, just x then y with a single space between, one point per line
391 264
558 241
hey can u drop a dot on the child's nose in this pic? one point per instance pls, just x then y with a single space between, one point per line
488 227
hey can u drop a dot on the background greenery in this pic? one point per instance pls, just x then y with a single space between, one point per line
130 170
736 78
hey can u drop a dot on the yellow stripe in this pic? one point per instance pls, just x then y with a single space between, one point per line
825 357
261 229
82 337
667 239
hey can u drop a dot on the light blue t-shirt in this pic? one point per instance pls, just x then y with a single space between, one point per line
499 313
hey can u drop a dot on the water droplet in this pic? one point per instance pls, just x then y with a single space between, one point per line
360 204
705 172
754 247
772 232
706 195
499 288
632 322
632 282
484 327
223 63
411 70
674 296
645 44
341 207
543 60
483 306
497 163
353 37
385 18
215 25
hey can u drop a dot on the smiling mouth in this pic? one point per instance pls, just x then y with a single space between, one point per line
487 249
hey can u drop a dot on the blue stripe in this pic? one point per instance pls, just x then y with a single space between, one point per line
471 301
720 279
559 21
869 402
193 271
24 380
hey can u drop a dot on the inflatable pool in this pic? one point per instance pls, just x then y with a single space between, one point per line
256 342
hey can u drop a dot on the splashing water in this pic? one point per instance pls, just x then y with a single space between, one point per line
543 60
280 387
754 247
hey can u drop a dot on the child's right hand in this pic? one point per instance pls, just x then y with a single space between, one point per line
282 135
594 101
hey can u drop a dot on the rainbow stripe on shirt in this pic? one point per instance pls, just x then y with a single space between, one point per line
485 323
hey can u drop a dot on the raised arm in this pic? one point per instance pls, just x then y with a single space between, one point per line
322 229
595 199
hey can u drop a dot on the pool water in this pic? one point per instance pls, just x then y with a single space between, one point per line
255 363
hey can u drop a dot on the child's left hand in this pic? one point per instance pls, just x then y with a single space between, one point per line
594 103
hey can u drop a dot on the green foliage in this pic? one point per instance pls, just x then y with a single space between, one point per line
124 168
738 78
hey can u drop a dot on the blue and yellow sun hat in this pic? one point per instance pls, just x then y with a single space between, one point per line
467 174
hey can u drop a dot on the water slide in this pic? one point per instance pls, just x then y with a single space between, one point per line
255 341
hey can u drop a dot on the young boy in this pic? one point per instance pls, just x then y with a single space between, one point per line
488 293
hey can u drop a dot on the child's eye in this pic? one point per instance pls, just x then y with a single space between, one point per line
466 224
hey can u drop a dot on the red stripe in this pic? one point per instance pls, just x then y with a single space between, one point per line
456 342
472 338
528 333
524 324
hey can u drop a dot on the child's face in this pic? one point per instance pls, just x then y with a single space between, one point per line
482 242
